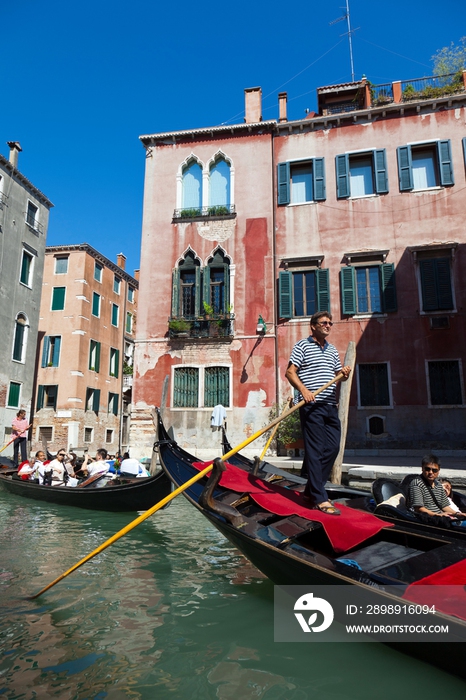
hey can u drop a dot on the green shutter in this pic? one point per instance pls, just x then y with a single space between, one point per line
13 394
115 404
381 175
40 397
445 162
197 291
186 387
284 294
95 304
56 351
96 401
318 176
58 298
25 267
387 276
227 288
283 183
205 287
175 291
342 173
91 346
216 386
53 389
428 271
445 296
18 344
348 290
45 351
323 290
97 357
117 363
405 172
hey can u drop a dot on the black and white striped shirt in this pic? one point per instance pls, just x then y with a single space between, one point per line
316 365
420 494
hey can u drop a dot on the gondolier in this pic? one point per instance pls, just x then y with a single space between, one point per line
313 362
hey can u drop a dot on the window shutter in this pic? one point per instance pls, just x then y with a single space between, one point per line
381 175
197 291
54 389
56 351
18 344
58 298
206 287
40 397
284 294
405 172
175 291
96 400
464 150
445 296
445 162
117 362
323 290
318 176
115 404
226 295
348 290
45 351
428 270
283 183
97 357
387 276
342 173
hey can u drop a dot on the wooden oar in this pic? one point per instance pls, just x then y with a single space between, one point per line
128 528
277 420
13 439
272 434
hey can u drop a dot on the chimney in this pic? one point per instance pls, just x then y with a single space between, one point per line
282 100
121 260
253 105
15 148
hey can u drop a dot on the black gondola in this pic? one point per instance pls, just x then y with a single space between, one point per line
128 495
298 550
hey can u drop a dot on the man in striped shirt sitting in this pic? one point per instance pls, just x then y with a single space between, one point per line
426 494
313 363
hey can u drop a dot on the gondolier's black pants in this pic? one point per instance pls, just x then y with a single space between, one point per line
20 442
321 430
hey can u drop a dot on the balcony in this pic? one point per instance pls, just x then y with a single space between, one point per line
218 326
205 213
434 86
127 381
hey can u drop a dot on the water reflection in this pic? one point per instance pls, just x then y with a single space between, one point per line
169 611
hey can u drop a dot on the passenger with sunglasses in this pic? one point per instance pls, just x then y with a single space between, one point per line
313 363
57 467
426 493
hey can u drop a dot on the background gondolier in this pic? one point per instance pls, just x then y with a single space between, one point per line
19 428
313 362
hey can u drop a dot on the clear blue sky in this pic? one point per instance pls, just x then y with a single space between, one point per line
81 81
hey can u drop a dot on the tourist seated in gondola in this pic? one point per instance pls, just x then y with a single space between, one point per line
447 485
97 467
57 467
427 496
132 467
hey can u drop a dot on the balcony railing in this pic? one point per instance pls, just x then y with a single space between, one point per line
381 94
3 198
434 86
218 326
35 225
213 212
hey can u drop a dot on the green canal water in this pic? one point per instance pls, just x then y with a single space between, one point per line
170 611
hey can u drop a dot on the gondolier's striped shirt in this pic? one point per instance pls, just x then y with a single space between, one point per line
316 365
420 494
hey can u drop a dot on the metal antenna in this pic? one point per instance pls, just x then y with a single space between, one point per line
348 34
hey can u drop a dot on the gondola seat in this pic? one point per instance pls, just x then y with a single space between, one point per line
390 497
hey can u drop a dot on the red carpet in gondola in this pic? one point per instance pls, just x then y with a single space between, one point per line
344 531
449 598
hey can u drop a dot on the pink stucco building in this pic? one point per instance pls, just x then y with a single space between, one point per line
358 209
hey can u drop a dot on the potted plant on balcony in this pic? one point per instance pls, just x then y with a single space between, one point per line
178 327
208 310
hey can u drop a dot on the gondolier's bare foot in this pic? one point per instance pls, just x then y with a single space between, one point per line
328 508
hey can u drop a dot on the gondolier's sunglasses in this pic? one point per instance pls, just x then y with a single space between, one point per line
431 469
324 323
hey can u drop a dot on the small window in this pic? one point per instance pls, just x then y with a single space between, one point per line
114 362
113 403
374 387
303 292
115 314
51 351
88 434
423 166
129 322
58 298
47 396
14 394
116 284
94 356
445 386
45 433
131 294
96 304
361 174
108 436
98 272
376 425
368 289
31 215
301 182
61 265
20 337
92 400
26 269
186 387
